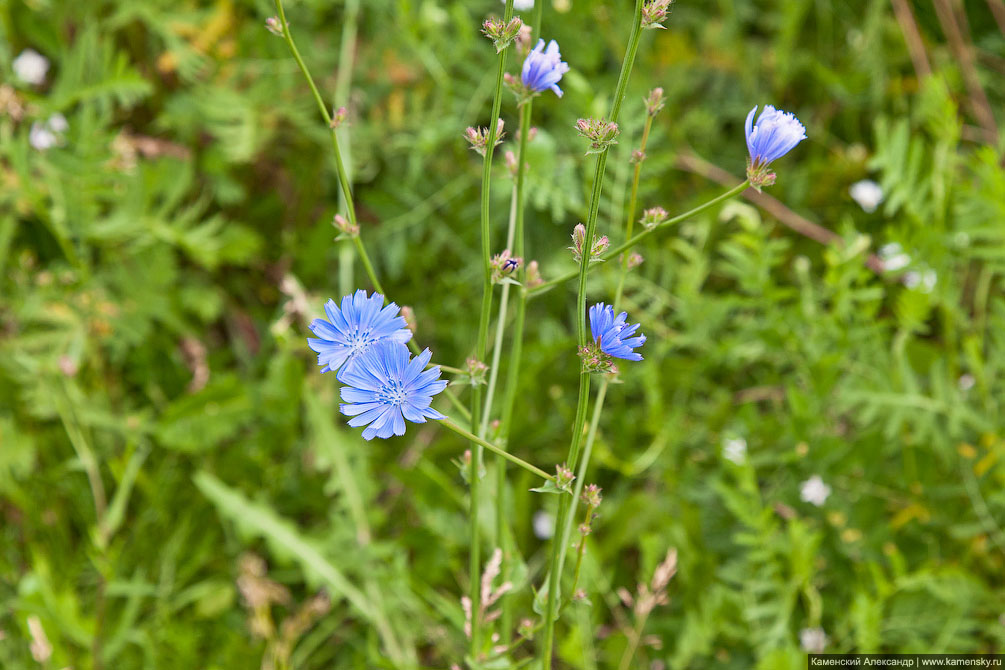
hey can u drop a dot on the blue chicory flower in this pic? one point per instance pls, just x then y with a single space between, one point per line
775 134
385 386
543 69
361 322
613 334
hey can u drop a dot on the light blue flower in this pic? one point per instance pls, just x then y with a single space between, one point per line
543 69
384 387
613 334
775 134
361 322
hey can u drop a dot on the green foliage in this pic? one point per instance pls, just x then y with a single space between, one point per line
161 418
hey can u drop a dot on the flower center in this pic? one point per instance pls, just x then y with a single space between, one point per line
359 340
392 393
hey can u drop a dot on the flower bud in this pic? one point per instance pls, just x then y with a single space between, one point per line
655 101
638 156
502 33
408 314
600 133
653 217
526 629
523 40
533 278
504 265
273 26
511 163
597 248
338 118
634 260
344 227
591 496
479 137
476 371
563 477
654 12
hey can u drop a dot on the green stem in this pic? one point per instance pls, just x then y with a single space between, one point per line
613 253
558 549
474 564
474 439
632 202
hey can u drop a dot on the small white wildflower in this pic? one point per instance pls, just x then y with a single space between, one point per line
31 67
521 5
912 279
966 382
45 135
544 525
40 137
867 193
928 280
813 640
735 450
814 491
893 257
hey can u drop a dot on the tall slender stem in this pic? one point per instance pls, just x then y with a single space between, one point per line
558 548
481 442
474 564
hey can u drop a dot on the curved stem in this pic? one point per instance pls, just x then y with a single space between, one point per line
613 253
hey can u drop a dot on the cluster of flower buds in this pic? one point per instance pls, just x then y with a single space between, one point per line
601 133
503 265
637 156
655 101
338 118
597 248
595 360
476 371
564 478
502 32
343 226
654 12
479 137
591 496
653 217
273 25
533 278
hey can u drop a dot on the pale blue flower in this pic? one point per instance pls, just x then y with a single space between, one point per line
613 334
543 69
384 386
360 323
775 134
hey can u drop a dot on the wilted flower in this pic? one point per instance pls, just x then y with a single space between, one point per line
867 193
600 133
597 248
612 337
479 137
814 491
654 12
653 217
813 640
31 67
543 69
360 323
735 449
775 134
385 386
502 32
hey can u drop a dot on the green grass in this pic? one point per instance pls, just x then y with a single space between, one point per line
162 420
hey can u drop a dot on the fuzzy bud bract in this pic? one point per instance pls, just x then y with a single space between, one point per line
601 133
655 101
653 217
479 137
654 12
502 33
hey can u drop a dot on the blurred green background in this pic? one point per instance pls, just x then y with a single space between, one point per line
177 487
